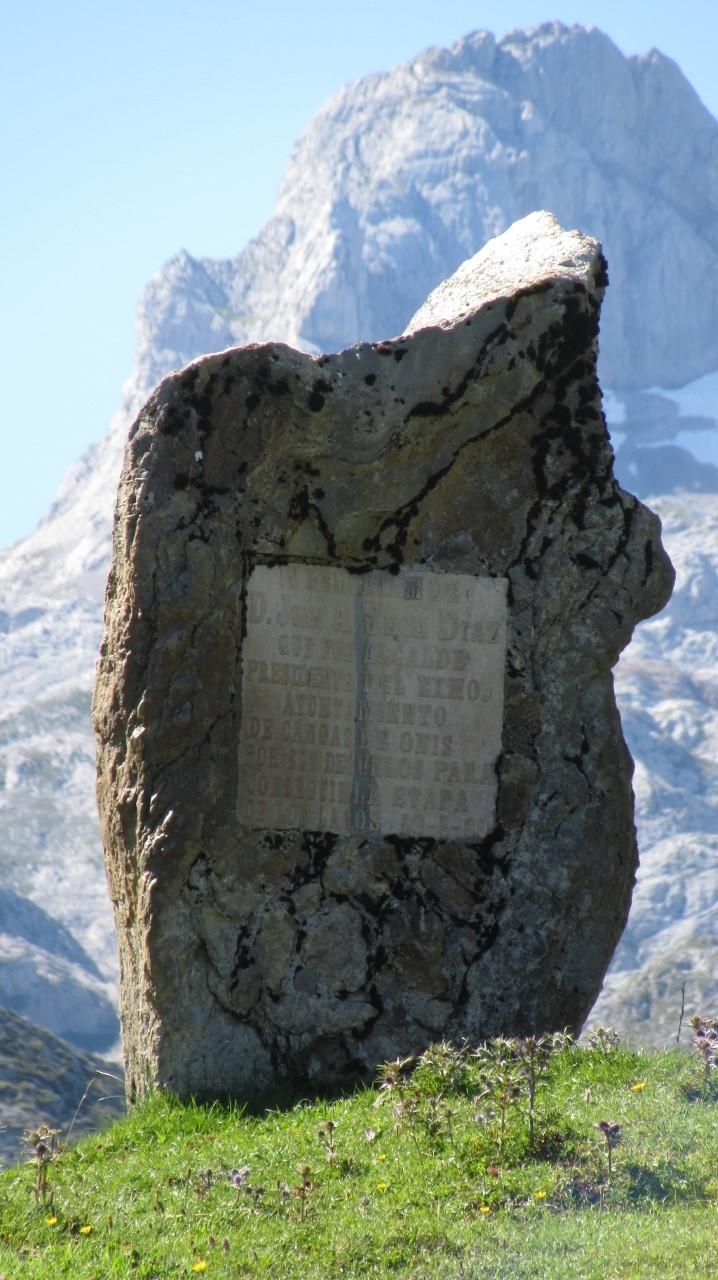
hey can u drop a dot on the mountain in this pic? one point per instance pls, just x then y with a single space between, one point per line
398 179
667 686
43 1081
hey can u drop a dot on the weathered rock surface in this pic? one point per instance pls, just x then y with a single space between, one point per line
397 180
468 455
667 685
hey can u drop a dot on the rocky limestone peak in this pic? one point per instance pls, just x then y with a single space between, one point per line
406 173
401 177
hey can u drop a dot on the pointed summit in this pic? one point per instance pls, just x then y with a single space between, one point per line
400 177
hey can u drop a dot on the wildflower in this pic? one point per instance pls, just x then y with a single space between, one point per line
485 1209
540 1195
200 1265
604 1039
51 1222
85 1231
638 1086
370 1134
325 1133
612 1134
392 1074
382 1186
381 1156
238 1177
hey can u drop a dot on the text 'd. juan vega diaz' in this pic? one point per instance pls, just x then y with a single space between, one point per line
371 702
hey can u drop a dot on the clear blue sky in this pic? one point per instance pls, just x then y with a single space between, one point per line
131 130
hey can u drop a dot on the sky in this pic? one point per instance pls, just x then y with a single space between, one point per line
131 130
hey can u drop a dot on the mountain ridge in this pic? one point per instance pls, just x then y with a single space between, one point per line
400 177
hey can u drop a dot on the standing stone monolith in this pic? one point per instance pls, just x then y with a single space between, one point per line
361 773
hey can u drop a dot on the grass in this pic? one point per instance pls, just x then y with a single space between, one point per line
445 1169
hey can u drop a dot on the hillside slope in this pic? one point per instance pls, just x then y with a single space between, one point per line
43 1080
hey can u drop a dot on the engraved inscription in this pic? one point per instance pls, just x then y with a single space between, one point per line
371 703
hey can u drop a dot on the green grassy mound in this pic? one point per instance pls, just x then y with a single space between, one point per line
519 1160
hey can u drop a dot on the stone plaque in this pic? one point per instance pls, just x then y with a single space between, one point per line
371 702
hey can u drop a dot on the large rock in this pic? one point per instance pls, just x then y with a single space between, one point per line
361 775
395 182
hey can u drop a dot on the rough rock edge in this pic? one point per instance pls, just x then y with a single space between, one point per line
539 927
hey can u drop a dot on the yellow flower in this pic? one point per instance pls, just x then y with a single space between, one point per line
85 1231
540 1195
381 1157
485 1208
51 1222
200 1265
638 1086
382 1186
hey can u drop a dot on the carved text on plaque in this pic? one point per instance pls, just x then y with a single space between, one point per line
371 703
